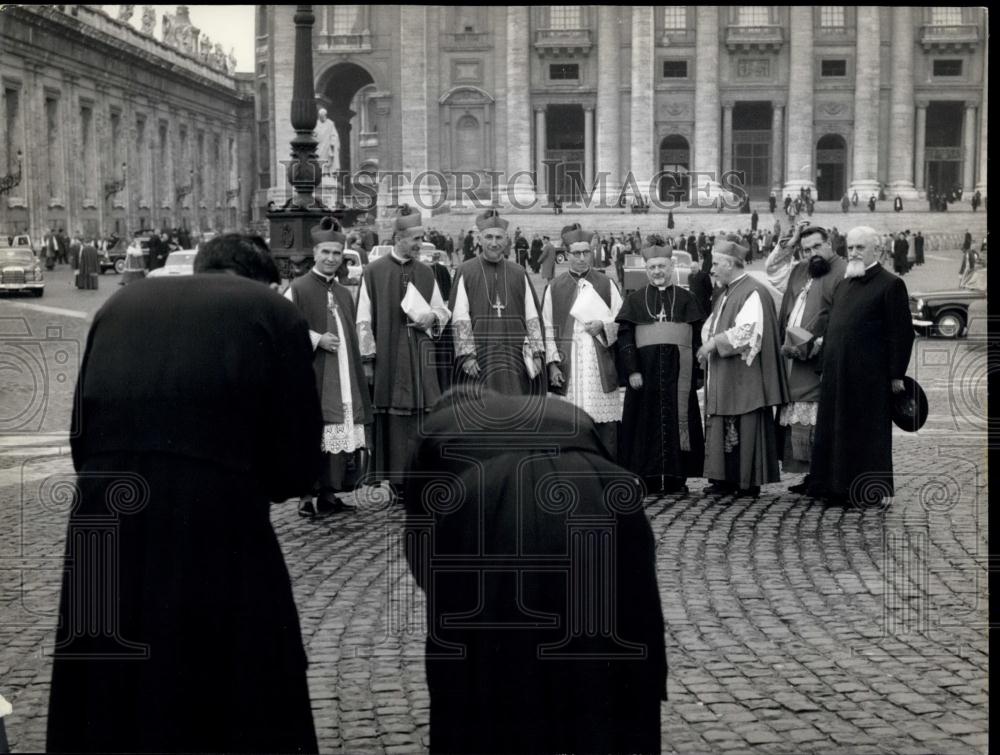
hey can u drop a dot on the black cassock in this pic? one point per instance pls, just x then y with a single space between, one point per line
661 435
545 631
195 408
867 345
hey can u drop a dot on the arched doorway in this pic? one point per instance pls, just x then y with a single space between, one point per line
831 168
675 161
337 87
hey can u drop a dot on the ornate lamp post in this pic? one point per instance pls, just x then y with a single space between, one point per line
11 180
291 223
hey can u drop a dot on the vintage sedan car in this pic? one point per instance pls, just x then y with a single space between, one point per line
19 270
379 251
180 262
945 313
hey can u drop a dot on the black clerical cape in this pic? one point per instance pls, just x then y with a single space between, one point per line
661 423
868 343
509 563
309 293
406 358
195 408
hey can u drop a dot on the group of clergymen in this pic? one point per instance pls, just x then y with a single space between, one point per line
786 385
202 399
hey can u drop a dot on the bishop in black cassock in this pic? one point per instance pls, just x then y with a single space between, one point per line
658 334
865 355
340 378
400 348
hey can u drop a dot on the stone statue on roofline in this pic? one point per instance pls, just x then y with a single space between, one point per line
148 19
232 60
125 13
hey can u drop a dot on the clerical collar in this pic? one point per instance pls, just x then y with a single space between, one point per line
326 279
736 280
486 260
578 276
664 287
400 260
872 265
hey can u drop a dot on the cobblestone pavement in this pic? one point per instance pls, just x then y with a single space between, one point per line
790 628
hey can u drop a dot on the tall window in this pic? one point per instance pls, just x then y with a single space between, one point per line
141 153
163 164
89 149
11 142
754 15
942 16
565 16
345 19
832 16
54 149
675 17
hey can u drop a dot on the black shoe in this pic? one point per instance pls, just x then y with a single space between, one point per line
306 508
751 492
326 507
801 489
717 489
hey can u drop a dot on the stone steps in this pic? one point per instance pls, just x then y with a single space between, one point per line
944 230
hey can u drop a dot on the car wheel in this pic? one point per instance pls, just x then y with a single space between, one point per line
560 258
949 324
120 265
38 292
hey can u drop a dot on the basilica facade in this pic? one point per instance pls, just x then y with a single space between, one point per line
558 99
108 126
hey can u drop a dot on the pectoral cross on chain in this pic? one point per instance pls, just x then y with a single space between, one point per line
661 316
498 307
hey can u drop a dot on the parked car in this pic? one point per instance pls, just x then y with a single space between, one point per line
946 313
379 251
114 258
20 271
635 271
22 240
178 263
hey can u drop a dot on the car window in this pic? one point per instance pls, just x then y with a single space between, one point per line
16 257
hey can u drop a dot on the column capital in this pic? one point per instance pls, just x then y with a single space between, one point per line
540 108
728 103
589 108
971 104
921 103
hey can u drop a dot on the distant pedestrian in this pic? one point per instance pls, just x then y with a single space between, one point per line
897 204
845 203
871 203
754 218
89 271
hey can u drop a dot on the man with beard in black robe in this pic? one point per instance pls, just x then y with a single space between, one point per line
865 354
545 631
808 287
177 628
659 329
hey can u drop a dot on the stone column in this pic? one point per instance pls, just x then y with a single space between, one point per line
413 101
609 99
919 143
541 143
983 122
968 150
706 107
727 136
519 107
901 124
866 104
800 147
642 119
777 147
588 147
